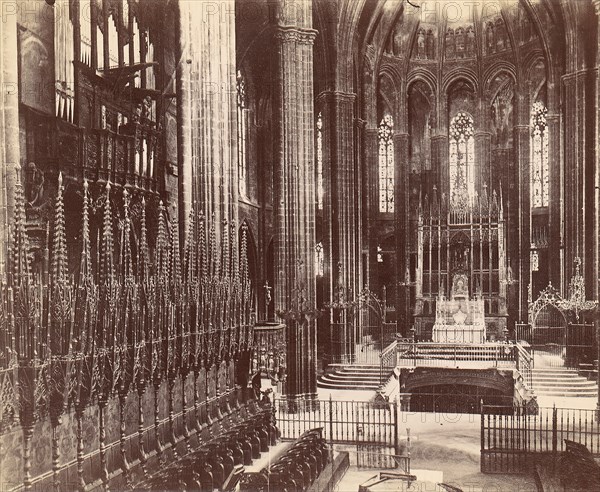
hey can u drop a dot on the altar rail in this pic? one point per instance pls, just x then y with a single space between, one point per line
514 439
501 355
450 354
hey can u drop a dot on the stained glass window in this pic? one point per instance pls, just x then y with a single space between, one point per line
539 156
319 259
386 165
462 156
320 162
242 133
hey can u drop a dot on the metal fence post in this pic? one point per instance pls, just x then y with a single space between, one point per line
331 421
397 427
554 435
482 440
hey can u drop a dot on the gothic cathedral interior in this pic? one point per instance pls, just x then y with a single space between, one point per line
239 235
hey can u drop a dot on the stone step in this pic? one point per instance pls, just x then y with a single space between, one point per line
361 373
562 382
553 379
574 394
558 370
565 387
352 377
336 385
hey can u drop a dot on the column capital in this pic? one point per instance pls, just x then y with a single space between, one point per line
292 34
334 96
573 76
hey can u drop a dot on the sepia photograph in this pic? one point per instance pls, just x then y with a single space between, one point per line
300 245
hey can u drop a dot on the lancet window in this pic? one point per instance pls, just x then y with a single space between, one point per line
539 156
320 161
242 134
386 165
462 155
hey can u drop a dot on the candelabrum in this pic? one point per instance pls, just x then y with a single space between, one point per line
300 310
406 284
576 301
341 294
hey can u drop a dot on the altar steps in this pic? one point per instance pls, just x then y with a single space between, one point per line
562 382
352 377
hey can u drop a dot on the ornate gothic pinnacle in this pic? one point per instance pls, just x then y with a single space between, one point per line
59 245
202 251
143 256
234 255
126 260
106 259
86 265
190 250
225 249
174 256
161 261
20 240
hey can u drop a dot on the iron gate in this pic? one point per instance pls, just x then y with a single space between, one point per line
514 439
369 428
554 341
569 346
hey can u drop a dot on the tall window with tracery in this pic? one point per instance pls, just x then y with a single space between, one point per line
539 155
319 260
386 165
462 156
320 162
242 134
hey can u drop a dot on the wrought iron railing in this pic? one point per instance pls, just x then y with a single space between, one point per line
512 438
524 363
453 354
387 361
372 427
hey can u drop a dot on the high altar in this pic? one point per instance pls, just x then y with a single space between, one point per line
459 319
461 251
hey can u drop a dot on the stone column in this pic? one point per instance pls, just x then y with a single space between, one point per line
372 204
521 139
578 176
482 158
439 161
596 250
402 222
294 190
10 155
207 134
338 154
554 205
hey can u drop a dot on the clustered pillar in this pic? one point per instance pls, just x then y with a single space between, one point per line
9 126
207 101
294 203
338 117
